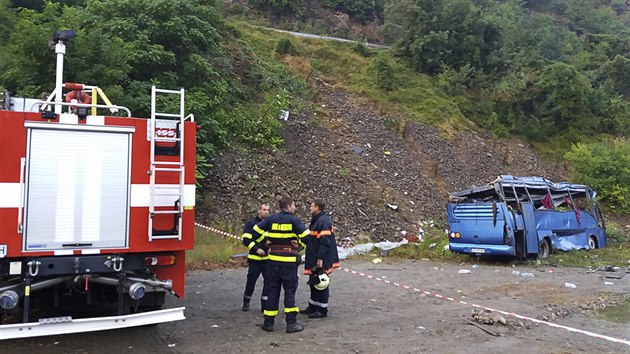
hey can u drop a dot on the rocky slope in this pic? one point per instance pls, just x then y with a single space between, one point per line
376 181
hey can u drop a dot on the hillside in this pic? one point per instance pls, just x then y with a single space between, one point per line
347 156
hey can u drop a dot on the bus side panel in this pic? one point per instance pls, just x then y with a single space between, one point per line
564 229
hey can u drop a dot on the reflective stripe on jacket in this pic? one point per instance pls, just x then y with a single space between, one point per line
281 229
321 245
252 243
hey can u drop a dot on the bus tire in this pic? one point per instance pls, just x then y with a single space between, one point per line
544 249
592 242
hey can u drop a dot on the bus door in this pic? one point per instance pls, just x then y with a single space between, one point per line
531 232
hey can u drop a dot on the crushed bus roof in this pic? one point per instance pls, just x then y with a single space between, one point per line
506 186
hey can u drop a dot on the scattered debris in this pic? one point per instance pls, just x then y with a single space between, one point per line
498 318
570 285
172 345
284 115
393 206
377 260
386 246
464 271
345 252
475 266
483 329
357 149
486 317
609 268
609 283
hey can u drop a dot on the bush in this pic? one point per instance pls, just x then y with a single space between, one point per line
384 73
605 167
361 49
285 46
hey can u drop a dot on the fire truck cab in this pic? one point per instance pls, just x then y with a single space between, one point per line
96 209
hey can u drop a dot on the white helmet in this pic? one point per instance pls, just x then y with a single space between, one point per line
324 280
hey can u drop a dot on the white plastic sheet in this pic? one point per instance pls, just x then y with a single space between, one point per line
368 247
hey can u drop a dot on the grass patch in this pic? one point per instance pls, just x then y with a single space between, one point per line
617 253
211 249
414 96
433 248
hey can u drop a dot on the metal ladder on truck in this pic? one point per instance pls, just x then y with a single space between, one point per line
174 123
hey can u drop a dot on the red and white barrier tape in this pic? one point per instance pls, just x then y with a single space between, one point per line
446 298
220 232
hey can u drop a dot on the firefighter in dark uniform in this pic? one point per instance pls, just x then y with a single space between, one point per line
321 258
256 259
284 234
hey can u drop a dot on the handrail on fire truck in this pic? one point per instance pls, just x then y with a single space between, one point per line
95 92
167 167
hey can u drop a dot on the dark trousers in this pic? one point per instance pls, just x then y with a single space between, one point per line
281 276
256 268
319 300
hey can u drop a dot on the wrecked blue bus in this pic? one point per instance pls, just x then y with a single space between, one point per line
524 216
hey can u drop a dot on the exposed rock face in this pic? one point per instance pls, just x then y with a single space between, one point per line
374 180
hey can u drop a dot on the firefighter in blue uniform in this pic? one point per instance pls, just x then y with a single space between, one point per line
321 258
256 259
285 232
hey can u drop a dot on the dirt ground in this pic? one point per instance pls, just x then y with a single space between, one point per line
368 316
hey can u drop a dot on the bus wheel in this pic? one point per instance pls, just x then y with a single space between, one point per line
543 249
592 243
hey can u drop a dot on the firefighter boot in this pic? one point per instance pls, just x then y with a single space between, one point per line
292 325
245 304
267 325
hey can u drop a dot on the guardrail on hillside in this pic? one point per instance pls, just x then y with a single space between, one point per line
316 36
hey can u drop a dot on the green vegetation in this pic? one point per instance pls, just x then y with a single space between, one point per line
547 69
211 248
413 95
125 46
433 248
605 167
554 71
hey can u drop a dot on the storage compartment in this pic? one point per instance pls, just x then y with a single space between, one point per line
77 187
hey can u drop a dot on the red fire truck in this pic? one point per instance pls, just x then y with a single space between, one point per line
96 211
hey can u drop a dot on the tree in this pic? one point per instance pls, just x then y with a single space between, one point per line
605 167
562 96
434 33
279 7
